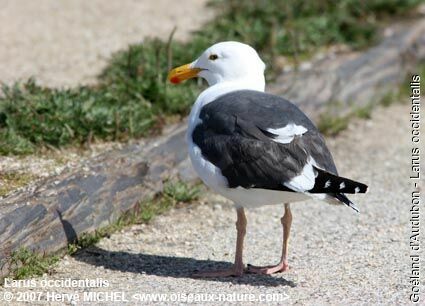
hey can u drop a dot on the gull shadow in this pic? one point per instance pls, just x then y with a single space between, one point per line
167 266
170 266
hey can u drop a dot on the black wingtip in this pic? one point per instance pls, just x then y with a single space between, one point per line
327 182
354 207
343 198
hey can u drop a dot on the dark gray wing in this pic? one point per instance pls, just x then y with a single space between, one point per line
235 136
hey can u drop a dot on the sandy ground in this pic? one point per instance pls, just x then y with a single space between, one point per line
64 43
337 257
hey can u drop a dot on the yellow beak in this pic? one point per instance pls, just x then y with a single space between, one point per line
182 73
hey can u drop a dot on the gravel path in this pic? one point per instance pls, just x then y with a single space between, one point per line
64 43
336 256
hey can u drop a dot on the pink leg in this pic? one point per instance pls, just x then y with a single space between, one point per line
238 267
282 266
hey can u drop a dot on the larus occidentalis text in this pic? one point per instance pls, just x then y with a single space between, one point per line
255 148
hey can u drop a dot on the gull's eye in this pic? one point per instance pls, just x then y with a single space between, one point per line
213 57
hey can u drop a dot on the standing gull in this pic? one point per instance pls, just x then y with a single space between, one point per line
255 148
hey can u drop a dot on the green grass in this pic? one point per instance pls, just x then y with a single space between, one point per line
364 112
180 191
132 97
25 263
332 125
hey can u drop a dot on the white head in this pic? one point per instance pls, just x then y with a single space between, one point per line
228 61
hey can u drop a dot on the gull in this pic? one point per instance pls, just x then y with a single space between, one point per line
255 148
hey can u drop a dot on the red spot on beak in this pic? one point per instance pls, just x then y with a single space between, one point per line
175 80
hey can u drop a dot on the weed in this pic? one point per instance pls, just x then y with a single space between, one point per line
25 263
332 125
181 192
364 112
388 98
87 239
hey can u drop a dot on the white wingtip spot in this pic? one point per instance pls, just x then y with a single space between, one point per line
328 183
342 185
356 190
